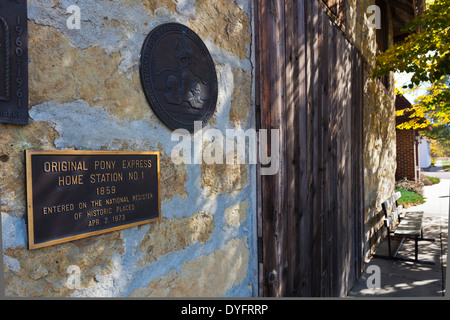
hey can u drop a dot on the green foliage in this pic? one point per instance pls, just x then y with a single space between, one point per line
410 198
416 187
434 180
428 181
412 192
441 134
446 165
426 55
436 102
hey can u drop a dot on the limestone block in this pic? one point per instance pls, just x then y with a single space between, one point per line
43 273
171 236
241 99
236 213
14 140
223 178
62 73
172 178
227 25
208 276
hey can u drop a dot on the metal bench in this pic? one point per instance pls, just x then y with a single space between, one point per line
410 226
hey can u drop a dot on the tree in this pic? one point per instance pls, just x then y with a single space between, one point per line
441 134
425 54
431 108
436 149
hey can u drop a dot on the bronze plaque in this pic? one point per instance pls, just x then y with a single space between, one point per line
13 62
77 194
178 76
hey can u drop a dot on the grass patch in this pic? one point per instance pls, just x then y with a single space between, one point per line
434 180
410 198
426 181
446 165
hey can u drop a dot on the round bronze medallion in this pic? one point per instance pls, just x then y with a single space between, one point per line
178 76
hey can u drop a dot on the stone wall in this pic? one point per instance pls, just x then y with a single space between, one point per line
379 157
85 94
379 120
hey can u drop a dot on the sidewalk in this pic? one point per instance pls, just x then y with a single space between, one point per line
408 279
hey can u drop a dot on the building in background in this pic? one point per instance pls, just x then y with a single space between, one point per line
424 153
408 166
409 154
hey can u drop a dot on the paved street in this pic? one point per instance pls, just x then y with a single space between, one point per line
437 171
438 174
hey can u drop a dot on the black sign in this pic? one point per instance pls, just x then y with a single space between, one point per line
13 62
76 194
178 76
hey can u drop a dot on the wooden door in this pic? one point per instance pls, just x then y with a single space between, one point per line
309 87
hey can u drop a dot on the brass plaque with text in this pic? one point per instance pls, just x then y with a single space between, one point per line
13 62
77 194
